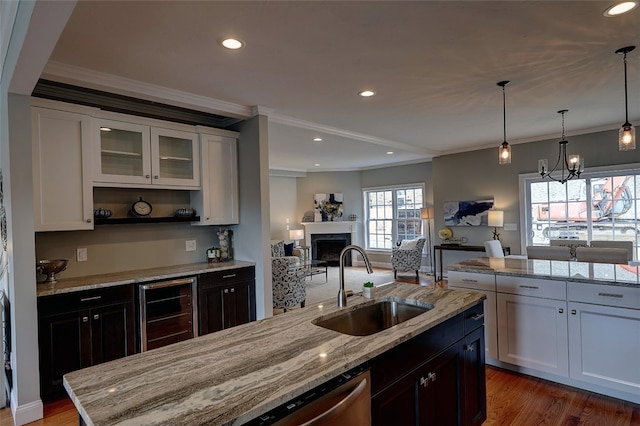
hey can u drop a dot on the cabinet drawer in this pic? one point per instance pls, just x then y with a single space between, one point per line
471 280
473 318
87 299
535 287
227 276
609 295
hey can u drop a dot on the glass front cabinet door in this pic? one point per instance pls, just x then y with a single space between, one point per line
134 155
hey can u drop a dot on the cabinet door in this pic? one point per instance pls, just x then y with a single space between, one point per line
217 201
210 310
235 305
123 153
175 158
604 346
396 405
438 396
61 158
532 332
62 349
112 332
474 389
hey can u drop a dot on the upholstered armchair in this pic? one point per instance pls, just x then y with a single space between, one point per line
407 256
287 279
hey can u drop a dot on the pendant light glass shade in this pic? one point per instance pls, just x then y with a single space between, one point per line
504 152
627 133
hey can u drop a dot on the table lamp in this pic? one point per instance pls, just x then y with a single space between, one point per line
496 219
296 235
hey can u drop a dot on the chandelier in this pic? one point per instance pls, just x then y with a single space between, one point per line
569 167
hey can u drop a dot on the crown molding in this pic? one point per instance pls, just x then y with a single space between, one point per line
63 73
294 122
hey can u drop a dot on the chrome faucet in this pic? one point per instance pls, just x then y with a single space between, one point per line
342 295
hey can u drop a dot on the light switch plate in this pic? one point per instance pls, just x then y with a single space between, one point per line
510 227
81 254
191 245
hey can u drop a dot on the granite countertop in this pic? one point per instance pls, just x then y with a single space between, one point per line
595 273
235 375
67 285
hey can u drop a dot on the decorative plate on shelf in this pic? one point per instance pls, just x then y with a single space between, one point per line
445 233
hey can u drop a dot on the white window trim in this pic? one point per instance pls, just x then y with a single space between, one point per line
365 203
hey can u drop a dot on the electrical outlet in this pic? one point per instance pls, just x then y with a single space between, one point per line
81 254
191 245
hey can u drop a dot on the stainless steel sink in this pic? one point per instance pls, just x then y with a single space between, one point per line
372 318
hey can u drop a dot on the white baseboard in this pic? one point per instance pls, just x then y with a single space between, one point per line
26 413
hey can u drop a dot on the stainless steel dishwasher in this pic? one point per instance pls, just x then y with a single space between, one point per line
343 400
168 312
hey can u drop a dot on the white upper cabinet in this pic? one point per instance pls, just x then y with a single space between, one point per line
140 156
61 158
217 202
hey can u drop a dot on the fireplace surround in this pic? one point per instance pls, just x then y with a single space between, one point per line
327 239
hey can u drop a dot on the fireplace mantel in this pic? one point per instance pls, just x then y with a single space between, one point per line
344 227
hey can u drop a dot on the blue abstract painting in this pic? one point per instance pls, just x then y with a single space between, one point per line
467 213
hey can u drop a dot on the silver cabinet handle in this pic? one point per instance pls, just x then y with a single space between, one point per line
233 290
560 310
88 220
229 276
533 287
476 317
468 280
619 296
470 348
424 382
147 176
573 312
155 177
96 316
226 290
89 299
85 319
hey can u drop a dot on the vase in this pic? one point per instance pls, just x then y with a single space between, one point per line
369 292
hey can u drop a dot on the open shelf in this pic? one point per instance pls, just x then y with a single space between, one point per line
125 220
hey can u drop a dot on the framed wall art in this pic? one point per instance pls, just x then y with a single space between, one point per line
467 213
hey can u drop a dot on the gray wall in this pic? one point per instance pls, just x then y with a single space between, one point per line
283 201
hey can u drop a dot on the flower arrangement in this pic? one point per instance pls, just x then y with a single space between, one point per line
368 289
368 284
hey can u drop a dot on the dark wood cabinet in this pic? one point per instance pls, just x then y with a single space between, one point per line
439 376
77 330
226 299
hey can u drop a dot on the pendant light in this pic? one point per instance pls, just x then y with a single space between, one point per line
504 152
627 133
569 167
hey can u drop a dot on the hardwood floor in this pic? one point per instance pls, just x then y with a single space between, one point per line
512 399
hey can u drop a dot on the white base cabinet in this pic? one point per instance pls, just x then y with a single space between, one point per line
217 201
532 332
604 341
61 158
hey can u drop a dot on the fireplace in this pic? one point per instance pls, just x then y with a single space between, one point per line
327 239
327 247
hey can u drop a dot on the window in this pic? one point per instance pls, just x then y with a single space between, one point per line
392 215
602 205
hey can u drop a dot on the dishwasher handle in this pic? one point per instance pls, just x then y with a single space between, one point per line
171 283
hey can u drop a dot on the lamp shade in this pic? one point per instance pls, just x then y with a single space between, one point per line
296 234
496 218
426 213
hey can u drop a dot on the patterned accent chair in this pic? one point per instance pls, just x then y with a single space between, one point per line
407 256
287 279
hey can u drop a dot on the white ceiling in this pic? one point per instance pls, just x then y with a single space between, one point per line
433 64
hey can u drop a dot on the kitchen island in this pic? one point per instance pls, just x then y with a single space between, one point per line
235 375
574 323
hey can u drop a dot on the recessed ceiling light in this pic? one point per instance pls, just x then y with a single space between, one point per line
620 8
389 152
367 93
317 139
232 43
317 165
